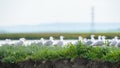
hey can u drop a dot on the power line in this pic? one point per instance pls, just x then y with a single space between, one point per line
92 19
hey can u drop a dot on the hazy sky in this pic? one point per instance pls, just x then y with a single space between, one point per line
33 12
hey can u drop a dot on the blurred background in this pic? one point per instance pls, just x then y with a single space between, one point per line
37 16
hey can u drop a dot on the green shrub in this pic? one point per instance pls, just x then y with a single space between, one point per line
15 54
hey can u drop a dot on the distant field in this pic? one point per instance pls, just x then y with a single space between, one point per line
55 35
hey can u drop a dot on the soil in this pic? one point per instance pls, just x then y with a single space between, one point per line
77 63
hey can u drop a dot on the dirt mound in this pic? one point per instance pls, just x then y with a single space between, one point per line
77 63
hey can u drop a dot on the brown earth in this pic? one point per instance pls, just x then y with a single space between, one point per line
77 63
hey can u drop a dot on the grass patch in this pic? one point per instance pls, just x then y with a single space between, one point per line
15 54
55 35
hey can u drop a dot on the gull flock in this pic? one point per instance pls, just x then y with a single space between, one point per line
100 41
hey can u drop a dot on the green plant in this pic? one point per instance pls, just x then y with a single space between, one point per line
15 54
